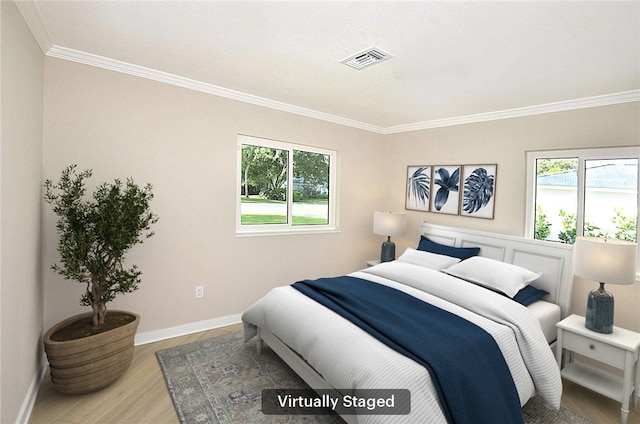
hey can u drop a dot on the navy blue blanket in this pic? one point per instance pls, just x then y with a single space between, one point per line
465 363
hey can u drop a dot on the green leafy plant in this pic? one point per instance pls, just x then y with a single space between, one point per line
626 225
96 233
568 234
543 225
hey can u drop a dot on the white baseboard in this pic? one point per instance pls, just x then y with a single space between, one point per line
26 409
141 338
182 330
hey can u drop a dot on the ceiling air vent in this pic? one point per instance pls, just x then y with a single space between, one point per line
369 57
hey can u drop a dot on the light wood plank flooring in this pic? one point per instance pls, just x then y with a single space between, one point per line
141 396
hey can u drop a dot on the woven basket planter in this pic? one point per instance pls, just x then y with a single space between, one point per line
91 363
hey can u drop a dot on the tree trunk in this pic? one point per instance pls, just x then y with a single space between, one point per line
99 313
97 305
246 183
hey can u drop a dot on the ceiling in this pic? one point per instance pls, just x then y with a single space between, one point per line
453 62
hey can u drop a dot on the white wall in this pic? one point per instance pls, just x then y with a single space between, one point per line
184 143
21 92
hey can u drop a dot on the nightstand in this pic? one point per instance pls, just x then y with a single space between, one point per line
618 349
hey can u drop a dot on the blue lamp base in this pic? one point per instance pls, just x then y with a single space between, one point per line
388 252
600 311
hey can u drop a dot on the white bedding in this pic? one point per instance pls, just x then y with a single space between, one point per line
348 358
548 315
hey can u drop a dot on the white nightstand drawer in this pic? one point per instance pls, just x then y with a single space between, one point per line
594 349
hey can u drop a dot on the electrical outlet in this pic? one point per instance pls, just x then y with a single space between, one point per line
199 292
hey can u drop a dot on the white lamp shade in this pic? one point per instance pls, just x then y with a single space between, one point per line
605 260
389 223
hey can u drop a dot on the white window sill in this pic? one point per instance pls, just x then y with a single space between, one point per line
288 232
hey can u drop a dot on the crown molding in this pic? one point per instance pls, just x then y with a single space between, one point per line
587 102
140 71
152 74
32 17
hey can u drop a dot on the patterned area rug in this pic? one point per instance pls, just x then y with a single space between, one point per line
220 381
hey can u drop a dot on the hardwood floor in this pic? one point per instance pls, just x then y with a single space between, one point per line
141 396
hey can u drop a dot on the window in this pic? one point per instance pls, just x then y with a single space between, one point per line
590 192
284 187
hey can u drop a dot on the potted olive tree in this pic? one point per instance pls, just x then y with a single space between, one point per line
90 351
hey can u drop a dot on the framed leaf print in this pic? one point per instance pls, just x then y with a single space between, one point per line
418 188
479 189
446 184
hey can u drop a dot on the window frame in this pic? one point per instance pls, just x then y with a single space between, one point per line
583 155
288 228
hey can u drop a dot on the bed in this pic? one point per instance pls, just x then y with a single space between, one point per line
331 353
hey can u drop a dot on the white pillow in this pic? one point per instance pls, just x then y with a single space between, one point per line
427 259
501 276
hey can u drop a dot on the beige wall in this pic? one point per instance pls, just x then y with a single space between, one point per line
184 143
505 142
20 230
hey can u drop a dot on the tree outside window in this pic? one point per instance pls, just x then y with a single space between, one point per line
284 186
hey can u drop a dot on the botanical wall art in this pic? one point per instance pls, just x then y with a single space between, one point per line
418 188
478 192
446 179
467 190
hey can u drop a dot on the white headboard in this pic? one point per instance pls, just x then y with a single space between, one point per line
553 260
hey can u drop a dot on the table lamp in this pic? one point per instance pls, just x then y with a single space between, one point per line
604 260
389 224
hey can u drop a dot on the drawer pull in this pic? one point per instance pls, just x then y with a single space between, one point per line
592 347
